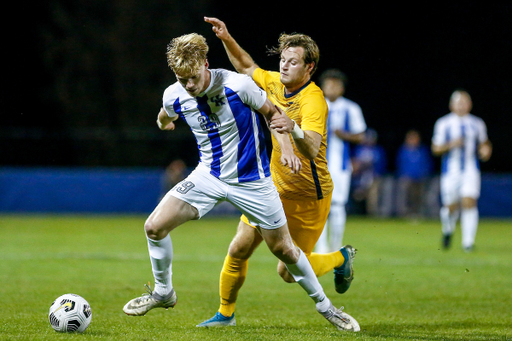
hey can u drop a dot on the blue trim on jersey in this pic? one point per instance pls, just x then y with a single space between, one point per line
247 165
314 172
213 135
463 148
296 91
346 146
444 158
477 162
265 162
177 109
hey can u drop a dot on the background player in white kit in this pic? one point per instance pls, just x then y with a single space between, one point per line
219 106
345 125
461 139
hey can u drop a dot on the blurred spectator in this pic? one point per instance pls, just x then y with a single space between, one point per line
174 173
413 170
369 165
345 126
460 139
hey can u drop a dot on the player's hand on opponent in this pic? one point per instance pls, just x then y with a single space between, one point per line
164 122
288 158
281 123
219 28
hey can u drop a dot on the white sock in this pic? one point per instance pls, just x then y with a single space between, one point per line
454 216
469 225
448 220
337 220
321 245
160 253
303 274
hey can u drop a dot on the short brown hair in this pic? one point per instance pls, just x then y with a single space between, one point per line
333 74
187 53
311 50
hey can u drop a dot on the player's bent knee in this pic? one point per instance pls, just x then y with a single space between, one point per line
240 252
453 207
468 203
154 231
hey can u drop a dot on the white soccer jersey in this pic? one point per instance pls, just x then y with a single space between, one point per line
227 130
346 115
472 130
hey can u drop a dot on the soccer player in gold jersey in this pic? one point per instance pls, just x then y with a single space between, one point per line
306 195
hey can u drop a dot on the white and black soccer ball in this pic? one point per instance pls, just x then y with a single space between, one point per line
70 313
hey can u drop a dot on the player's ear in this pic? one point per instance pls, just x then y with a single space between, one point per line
310 67
206 64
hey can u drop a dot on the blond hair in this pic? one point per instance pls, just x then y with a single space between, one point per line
311 50
187 53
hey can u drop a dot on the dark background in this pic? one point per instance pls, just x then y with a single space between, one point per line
83 80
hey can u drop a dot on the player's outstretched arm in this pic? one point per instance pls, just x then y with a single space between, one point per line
240 59
165 122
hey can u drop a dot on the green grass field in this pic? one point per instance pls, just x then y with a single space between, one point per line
405 287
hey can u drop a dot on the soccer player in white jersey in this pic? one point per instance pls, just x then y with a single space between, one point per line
460 138
219 106
345 125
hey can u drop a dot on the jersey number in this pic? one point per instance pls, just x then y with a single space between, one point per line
184 186
209 122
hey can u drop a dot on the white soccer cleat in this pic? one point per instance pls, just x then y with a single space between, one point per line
341 320
141 305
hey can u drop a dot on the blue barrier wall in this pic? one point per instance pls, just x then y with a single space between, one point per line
496 195
71 190
79 190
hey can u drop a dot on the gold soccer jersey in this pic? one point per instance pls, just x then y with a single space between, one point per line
307 107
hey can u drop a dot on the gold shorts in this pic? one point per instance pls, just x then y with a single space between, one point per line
306 220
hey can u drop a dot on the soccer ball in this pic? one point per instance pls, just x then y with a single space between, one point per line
70 313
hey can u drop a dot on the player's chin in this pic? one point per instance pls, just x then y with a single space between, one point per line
285 79
192 93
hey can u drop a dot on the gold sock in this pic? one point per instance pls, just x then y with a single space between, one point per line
232 278
323 263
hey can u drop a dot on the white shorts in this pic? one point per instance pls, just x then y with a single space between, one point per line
341 181
454 187
257 200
